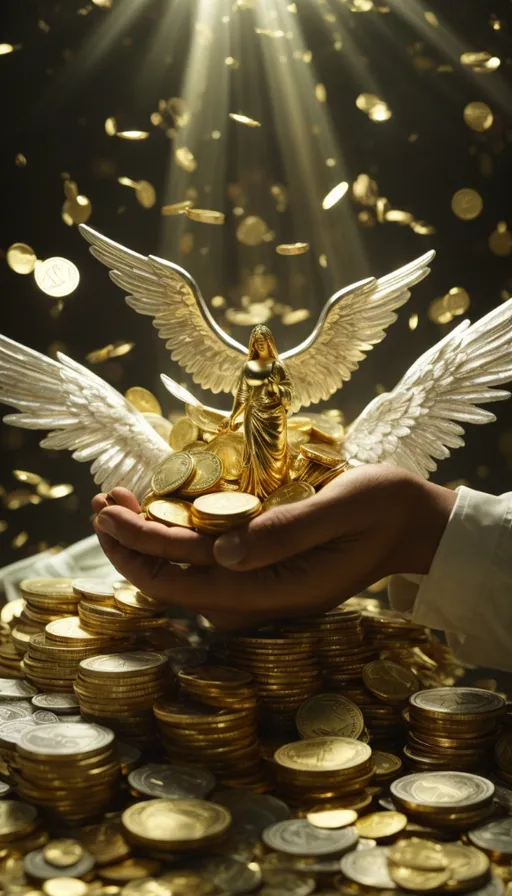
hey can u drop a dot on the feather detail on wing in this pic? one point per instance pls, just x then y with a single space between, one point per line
419 422
351 324
85 416
168 294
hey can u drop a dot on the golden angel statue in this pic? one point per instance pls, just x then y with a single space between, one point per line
413 426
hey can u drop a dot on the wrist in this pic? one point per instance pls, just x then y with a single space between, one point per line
429 510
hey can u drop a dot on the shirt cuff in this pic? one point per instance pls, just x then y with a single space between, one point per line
465 593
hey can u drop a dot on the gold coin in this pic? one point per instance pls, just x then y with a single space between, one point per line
467 204
329 714
128 599
176 823
389 681
229 448
226 505
143 400
386 764
68 628
63 853
21 258
379 825
422 855
183 432
207 473
331 818
292 248
416 879
323 754
478 116
290 493
173 473
57 277
205 216
176 208
64 886
207 419
322 453
171 513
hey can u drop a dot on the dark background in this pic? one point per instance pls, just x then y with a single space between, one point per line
69 75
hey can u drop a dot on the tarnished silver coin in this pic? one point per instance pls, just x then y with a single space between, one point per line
232 799
186 657
329 715
230 875
300 838
124 665
172 782
60 704
14 711
11 732
13 689
368 867
503 797
277 883
65 739
36 866
442 790
44 716
459 702
494 837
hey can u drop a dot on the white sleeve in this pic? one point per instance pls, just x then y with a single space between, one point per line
468 590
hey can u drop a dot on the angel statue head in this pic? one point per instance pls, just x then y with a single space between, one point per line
262 346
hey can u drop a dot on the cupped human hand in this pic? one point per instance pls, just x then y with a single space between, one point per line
296 559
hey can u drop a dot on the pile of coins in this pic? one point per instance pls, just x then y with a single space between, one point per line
284 667
451 800
318 463
340 647
120 611
119 690
389 686
220 686
324 769
216 513
224 740
386 630
47 600
52 658
453 728
70 770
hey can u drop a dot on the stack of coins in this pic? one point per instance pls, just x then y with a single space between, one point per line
329 715
70 770
503 757
220 686
324 769
451 800
387 630
98 618
163 826
18 821
284 668
47 600
13 649
52 658
318 463
119 690
340 648
215 513
224 740
453 728
390 687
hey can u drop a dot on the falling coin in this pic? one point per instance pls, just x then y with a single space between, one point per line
292 248
57 277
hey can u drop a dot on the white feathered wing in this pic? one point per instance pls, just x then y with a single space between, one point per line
85 416
419 422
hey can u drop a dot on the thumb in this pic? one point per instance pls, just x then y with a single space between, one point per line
278 534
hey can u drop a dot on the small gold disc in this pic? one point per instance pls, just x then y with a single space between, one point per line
63 853
171 513
173 473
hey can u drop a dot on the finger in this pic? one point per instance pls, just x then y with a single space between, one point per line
124 498
154 539
99 502
278 534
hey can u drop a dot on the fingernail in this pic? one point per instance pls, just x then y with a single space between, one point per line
106 524
229 550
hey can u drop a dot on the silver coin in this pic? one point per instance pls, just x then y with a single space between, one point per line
36 866
278 882
13 689
13 712
172 782
442 790
386 803
76 719
124 664
495 887
231 875
127 753
65 739
181 657
5 789
11 732
232 799
43 716
495 836
368 867
298 837
458 701
366 843
60 704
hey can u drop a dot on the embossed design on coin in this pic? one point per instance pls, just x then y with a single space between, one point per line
494 838
442 789
458 701
389 680
379 825
65 739
415 879
423 855
171 781
329 714
58 703
173 473
368 867
57 277
13 689
323 754
124 664
298 837
176 823
44 716
466 863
